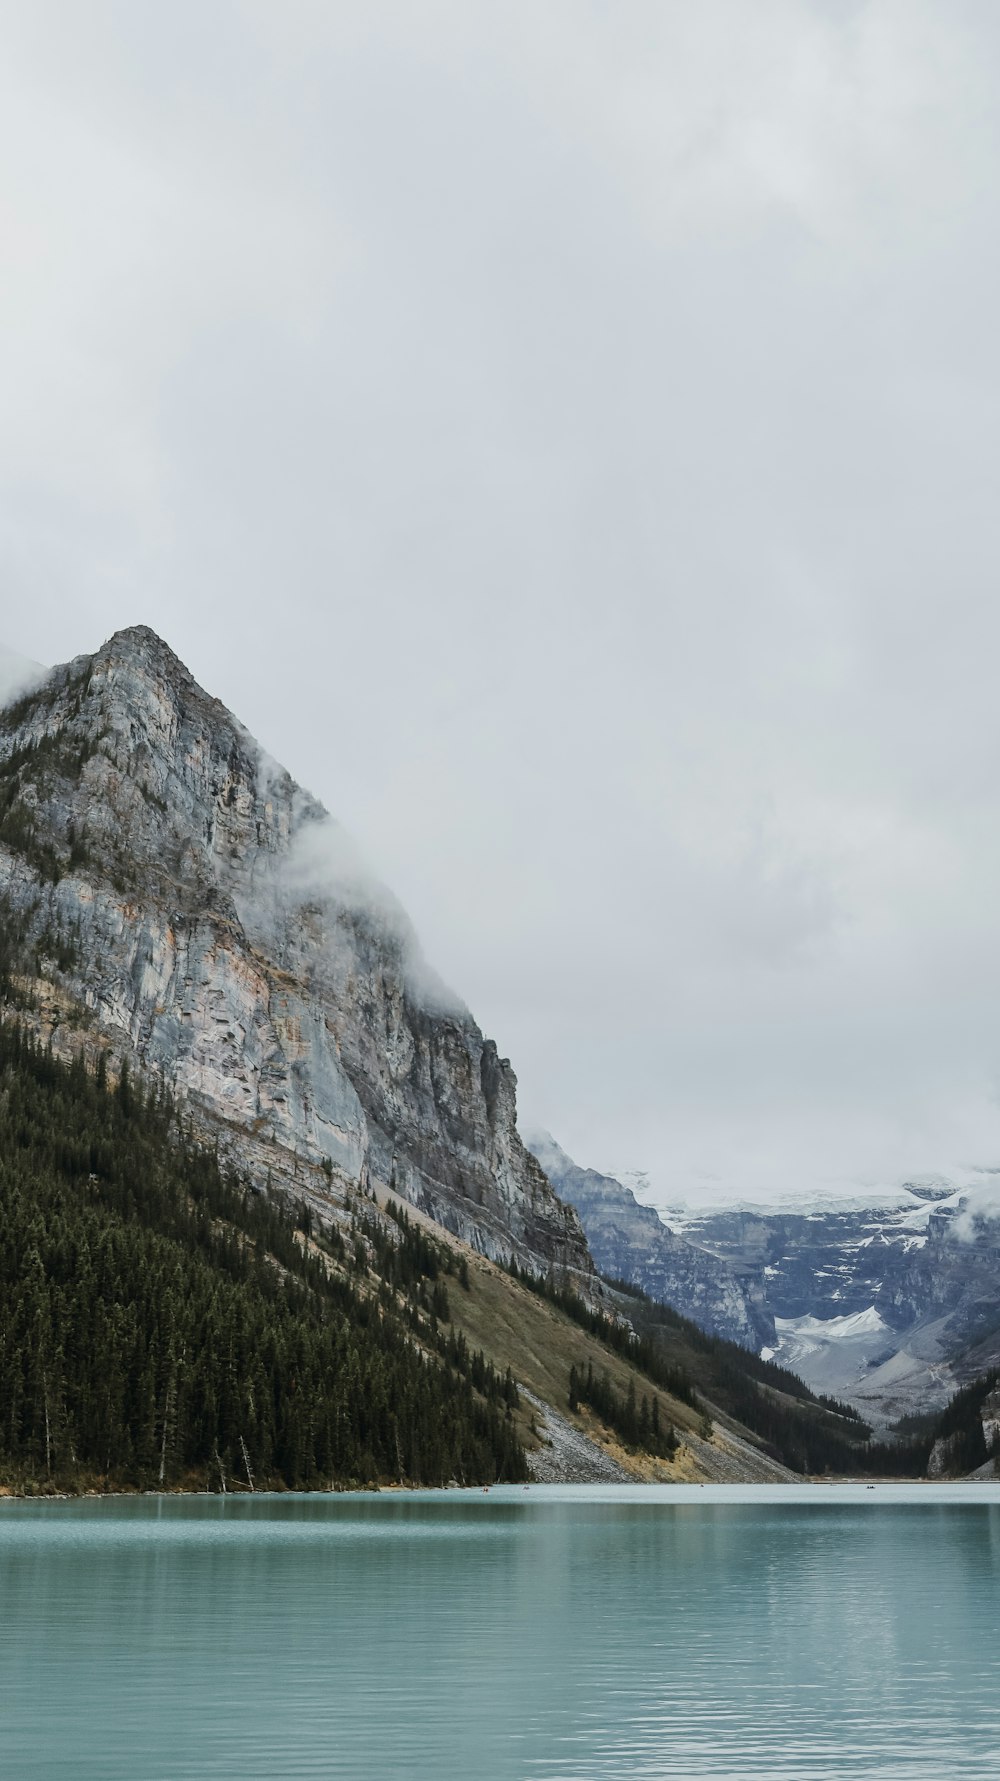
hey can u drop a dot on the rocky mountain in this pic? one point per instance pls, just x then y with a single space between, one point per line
174 908
631 1242
890 1300
168 893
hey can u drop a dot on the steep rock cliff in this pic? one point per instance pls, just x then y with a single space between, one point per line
169 889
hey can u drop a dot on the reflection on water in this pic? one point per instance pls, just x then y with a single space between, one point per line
550 1635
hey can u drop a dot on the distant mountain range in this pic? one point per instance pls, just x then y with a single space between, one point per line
890 1304
888 1299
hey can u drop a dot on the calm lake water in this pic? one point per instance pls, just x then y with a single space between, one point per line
557 1634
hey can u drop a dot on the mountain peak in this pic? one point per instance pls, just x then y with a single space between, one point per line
140 650
137 634
195 907
141 641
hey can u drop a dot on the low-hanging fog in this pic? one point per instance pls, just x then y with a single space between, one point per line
566 436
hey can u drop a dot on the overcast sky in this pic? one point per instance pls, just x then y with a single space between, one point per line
566 434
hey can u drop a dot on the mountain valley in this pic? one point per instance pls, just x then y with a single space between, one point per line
890 1300
184 929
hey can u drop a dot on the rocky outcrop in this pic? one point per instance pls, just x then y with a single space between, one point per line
168 889
630 1242
942 1461
990 1414
972 1448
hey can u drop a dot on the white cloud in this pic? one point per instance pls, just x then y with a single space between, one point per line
17 675
564 435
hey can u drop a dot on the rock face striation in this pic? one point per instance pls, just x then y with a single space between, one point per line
168 890
630 1242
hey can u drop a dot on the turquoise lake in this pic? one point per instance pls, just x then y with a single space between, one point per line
554 1634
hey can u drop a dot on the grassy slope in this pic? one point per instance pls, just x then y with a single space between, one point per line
539 1342
516 1328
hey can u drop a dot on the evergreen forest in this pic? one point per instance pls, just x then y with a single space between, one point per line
637 1421
162 1325
165 1326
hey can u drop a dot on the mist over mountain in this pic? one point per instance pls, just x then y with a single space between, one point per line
225 1049
173 902
178 898
17 674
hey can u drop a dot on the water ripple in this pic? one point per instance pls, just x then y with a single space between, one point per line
550 1636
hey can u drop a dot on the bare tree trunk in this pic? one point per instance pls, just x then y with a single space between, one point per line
168 1406
246 1462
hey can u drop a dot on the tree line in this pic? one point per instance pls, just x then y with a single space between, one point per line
810 1435
637 1421
638 1350
961 1425
163 1324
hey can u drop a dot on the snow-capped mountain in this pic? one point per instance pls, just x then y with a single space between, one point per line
888 1298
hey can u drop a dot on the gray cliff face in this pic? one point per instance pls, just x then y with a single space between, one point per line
179 895
990 1413
630 1242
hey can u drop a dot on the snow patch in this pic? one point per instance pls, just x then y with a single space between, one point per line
819 1331
832 1354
